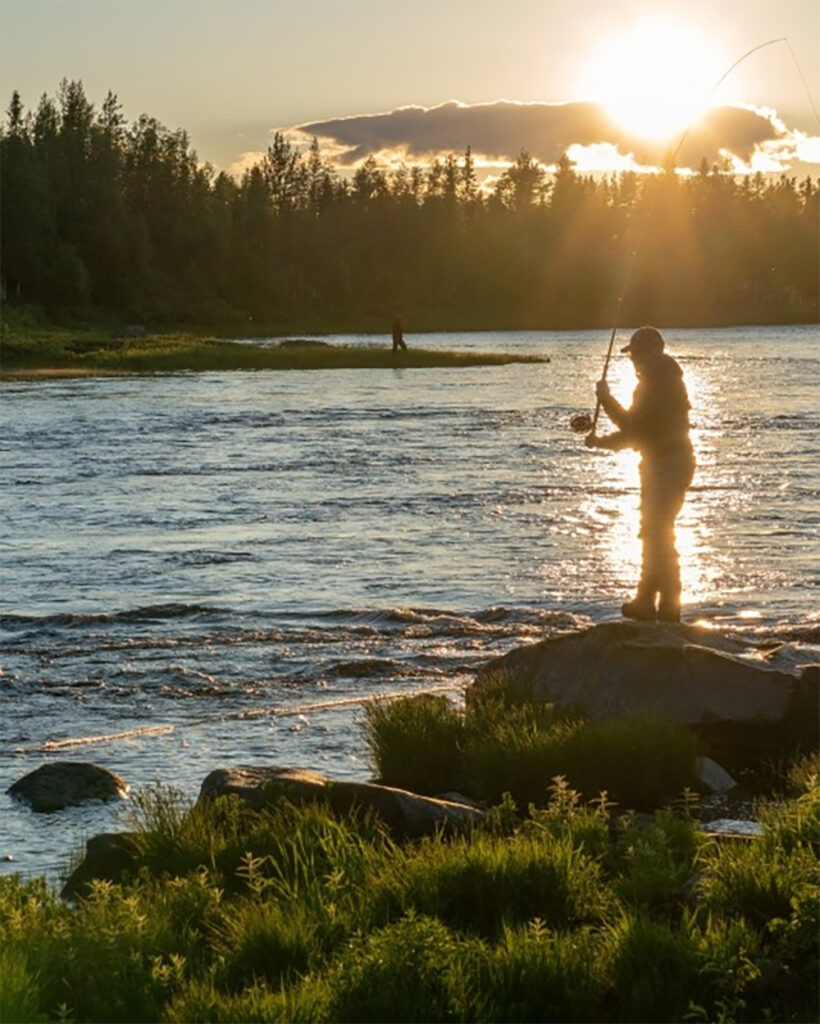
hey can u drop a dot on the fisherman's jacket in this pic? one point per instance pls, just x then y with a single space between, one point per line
657 422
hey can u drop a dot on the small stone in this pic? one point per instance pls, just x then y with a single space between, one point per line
715 778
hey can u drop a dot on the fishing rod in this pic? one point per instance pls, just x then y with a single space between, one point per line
582 422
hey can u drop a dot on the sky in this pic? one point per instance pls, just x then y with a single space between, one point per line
615 83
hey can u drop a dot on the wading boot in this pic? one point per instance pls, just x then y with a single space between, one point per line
642 608
669 611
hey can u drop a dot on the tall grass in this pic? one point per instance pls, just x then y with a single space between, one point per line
294 915
424 744
414 742
480 884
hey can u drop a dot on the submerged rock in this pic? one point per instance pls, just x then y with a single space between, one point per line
678 672
407 815
59 784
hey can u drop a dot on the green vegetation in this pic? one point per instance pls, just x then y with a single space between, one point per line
101 216
290 915
575 913
426 745
30 346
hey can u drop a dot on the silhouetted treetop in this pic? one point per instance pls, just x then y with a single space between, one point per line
97 212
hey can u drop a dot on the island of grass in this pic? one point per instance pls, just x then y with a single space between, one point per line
36 350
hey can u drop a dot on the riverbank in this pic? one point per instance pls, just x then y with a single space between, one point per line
574 909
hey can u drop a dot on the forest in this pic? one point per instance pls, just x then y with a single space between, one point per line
105 218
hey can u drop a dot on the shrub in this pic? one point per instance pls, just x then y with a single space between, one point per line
403 972
655 862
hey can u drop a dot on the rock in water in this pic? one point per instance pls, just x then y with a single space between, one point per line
407 815
673 671
59 784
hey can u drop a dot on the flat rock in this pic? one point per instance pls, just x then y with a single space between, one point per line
59 784
407 815
674 671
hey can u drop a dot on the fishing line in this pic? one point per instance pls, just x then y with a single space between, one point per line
581 422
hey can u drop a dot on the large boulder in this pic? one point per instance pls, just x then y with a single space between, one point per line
59 784
407 815
677 672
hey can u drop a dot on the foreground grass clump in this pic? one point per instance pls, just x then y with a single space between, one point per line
426 745
32 347
292 915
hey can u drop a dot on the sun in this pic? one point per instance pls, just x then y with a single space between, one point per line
654 78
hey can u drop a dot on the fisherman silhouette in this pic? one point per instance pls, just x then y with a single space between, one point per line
398 335
657 425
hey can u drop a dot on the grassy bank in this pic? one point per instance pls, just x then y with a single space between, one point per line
32 347
290 915
575 910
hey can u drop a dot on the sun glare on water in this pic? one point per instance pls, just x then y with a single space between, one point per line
654 78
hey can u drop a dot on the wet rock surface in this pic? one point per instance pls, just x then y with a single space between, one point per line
59 784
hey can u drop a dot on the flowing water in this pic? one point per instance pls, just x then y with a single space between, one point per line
202 570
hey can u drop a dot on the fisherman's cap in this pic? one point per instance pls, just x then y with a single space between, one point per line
645 339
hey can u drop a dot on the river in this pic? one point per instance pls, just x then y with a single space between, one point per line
215 569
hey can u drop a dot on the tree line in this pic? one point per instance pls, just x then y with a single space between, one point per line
101 215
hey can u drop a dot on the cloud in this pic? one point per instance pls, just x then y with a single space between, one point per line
244 162
498 131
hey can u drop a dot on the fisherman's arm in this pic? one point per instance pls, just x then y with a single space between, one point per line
611 406
611 442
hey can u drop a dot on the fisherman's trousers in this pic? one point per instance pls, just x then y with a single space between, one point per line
664 481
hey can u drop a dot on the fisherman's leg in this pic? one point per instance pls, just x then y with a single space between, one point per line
668 570
642 606
666 553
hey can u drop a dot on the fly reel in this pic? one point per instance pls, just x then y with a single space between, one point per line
581 423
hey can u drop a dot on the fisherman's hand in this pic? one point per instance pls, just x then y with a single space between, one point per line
591 440
602 390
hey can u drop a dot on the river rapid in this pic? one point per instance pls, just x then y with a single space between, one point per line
203 570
